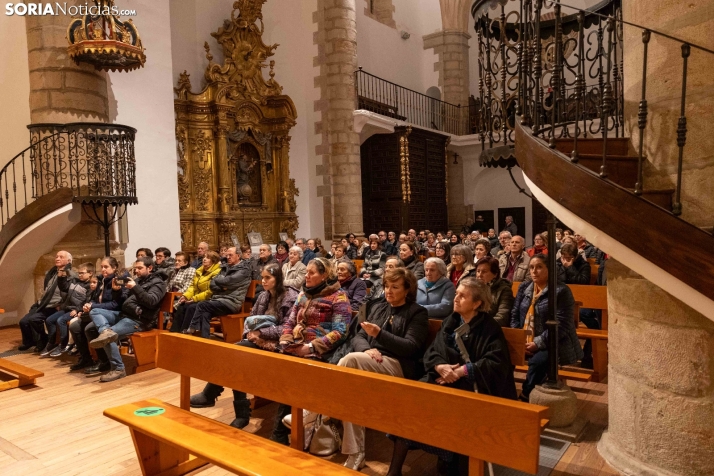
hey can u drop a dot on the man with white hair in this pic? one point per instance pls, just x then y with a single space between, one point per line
504 238
201 251
32 325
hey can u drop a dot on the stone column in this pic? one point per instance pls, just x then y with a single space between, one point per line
341 190
660 381
61 91
452 47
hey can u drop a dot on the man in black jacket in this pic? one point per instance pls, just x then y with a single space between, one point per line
138 313
33 324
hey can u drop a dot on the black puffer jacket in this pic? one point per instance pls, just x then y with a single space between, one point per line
577 273
144 300
403 335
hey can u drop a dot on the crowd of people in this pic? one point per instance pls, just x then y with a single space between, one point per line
364 304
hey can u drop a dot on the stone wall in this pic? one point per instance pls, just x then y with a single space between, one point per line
661 381
691 21
381 11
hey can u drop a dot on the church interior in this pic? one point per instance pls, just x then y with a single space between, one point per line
335 186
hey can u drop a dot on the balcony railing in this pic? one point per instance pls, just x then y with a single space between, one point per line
392 100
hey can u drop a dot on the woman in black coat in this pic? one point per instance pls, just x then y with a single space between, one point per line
572 267
486 369
390 342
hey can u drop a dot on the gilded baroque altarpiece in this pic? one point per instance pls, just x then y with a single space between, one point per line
233 141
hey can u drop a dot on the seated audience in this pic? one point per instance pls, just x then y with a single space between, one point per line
340 254
454 240
530 312
374 261
201 251
320 251
440 238
84 330
277 301
32 325
350 248
588 249
75 292
139 312
462 264
390 342
293 269
362 247
144 253
351 284
402 239
487 270
392 262
281 253
317 324
387 244
443 252
492 238
307 252
435 292
163 264
504 239
487 370
183 275
408 254
514 265
482 248
223 249
331 254
431 244
572 267
447 237
228 289
265 257
570 239
198 291
539 246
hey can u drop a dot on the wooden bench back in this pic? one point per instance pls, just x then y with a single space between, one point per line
358 264
487 428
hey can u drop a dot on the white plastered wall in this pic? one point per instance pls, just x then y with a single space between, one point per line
290 24
143 99
15 90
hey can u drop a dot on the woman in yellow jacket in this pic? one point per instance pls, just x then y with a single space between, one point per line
198 291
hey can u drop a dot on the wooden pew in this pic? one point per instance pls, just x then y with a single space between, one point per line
232 324
358 264
25 375
144 343
594 297
480 426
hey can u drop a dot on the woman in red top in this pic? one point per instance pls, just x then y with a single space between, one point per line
539 246
462 264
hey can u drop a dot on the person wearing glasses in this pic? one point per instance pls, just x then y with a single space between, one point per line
462 264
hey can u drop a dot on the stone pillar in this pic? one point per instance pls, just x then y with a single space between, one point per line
660 381
61 91
692 22
341 190
452 47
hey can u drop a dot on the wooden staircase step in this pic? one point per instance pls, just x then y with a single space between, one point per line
621 169
593 145
660 197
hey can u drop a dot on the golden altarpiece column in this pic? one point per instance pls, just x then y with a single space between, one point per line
233 141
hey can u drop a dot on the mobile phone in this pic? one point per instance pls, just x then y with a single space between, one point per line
119 281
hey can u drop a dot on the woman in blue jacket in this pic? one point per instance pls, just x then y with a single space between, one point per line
435 292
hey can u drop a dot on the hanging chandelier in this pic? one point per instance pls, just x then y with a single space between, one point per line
102 40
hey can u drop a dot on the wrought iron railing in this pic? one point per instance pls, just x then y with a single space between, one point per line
96 161
392 100
563 75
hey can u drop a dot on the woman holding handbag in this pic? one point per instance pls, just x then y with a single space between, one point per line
390 342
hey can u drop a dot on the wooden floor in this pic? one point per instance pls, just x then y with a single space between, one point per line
57 427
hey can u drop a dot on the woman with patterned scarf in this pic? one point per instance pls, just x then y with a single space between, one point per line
317 324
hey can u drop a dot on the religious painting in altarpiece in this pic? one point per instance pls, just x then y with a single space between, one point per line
233 141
